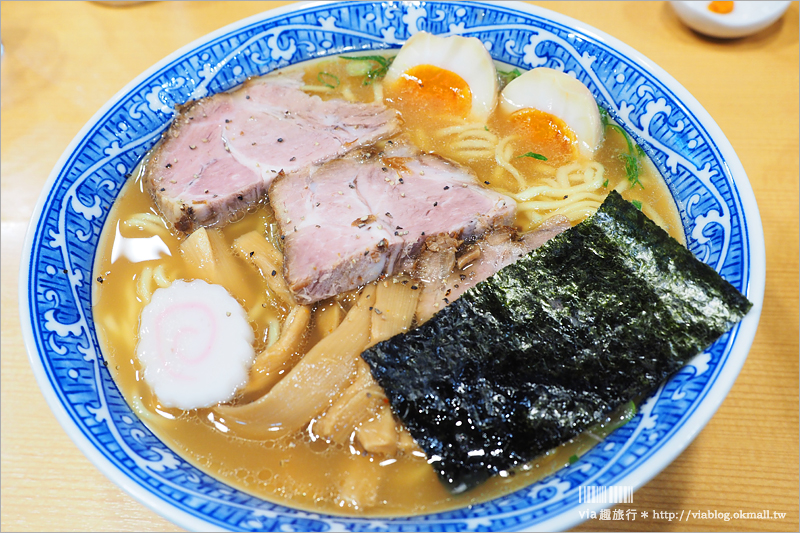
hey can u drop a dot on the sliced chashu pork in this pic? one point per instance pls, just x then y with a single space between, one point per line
221 153
351 220
445 276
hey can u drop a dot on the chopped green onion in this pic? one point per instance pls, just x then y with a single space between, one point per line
603 116
534 155
632 168
505 77
621 416
573 459
637 204
633 165
629 409
377 72
323 76
605 183
358 69
378 59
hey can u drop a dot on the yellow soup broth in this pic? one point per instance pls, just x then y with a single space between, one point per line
303 470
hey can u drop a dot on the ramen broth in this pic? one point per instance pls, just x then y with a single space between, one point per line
303 470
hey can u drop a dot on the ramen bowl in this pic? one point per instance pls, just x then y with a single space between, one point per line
718 213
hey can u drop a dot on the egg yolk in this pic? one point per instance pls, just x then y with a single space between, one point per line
546 134
431 90
723 8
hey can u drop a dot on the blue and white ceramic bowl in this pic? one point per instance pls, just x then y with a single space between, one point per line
718 211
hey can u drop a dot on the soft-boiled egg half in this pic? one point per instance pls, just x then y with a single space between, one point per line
555 111
452 76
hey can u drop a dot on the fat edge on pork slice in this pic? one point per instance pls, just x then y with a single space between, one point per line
550 345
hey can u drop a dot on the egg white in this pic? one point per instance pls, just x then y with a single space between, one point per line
464 56
562 96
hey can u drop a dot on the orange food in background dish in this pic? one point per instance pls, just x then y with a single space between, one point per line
722 8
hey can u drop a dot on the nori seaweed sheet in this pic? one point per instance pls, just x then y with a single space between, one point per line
549 346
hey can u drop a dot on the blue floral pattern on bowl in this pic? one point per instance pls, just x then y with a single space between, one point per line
64 348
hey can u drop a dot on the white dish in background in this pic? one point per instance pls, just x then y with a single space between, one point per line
745 19
718 212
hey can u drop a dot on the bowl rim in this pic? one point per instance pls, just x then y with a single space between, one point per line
705 408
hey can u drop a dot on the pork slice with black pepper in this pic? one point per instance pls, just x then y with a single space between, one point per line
426 195
332 241
352 220
221 153
474 262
